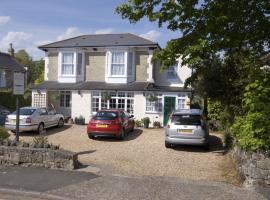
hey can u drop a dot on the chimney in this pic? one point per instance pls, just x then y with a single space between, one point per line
11 50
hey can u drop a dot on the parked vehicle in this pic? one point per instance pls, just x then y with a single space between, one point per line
3 113
34 119
110 123
187 127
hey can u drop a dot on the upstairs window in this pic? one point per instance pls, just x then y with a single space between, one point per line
117 63
67 64
172 73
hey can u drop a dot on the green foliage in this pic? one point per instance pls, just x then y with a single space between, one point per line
214 110
80 120
3 133
138 123
8 100
40 141
146 120
105 96
34 68
253 131
152 98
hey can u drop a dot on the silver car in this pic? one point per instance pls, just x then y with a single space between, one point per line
34 119
187 127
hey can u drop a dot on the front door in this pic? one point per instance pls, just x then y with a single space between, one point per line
169 106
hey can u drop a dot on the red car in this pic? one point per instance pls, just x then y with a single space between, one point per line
110 123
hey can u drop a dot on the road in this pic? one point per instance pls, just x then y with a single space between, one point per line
39 184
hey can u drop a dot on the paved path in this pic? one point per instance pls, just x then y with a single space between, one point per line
39 184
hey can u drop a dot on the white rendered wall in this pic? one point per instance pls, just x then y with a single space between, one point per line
80 105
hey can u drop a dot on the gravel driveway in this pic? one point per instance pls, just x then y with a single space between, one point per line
142 153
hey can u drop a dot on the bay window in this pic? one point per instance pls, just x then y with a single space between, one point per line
118 100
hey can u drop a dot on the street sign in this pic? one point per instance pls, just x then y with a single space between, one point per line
18 83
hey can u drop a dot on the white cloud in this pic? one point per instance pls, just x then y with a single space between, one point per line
70 32
20 40
4 20
152 35
104 31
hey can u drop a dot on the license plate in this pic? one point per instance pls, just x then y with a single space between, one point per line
184 131
101 125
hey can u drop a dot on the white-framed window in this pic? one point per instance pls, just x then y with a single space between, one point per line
154 106
67 66
118 100
172 72
118 63
2 78
70 66
181 103
65 99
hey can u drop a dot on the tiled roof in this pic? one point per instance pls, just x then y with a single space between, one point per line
102 40
9 63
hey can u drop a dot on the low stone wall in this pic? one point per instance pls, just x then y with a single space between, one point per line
253 167
38 157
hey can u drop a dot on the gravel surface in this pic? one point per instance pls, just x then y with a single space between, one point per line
142 153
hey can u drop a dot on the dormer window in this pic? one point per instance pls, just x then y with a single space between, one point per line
70 66
120 66
172 72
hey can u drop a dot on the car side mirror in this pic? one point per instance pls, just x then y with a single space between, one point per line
131 116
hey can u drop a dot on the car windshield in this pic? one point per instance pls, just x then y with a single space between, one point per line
106 115
25 111
187 119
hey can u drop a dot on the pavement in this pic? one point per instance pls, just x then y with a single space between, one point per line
39 184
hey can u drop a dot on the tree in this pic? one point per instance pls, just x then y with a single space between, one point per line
34 68
221 40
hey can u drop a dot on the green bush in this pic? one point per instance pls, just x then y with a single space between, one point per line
40 141
80 120
9 100
138 123
3 133
252 131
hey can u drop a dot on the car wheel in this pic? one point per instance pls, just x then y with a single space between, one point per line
122 134
60 123
90 136
206 146
168 145
40 129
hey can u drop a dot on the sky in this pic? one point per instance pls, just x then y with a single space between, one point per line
30 23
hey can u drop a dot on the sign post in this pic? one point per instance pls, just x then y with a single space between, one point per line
18 89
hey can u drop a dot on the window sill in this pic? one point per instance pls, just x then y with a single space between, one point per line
153 112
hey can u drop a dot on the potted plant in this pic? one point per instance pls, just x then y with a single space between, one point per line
138 123
105 96
152 98
146 122
156 124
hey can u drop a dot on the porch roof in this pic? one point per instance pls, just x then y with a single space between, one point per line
95 85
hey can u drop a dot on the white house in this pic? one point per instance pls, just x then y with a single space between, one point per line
92 72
